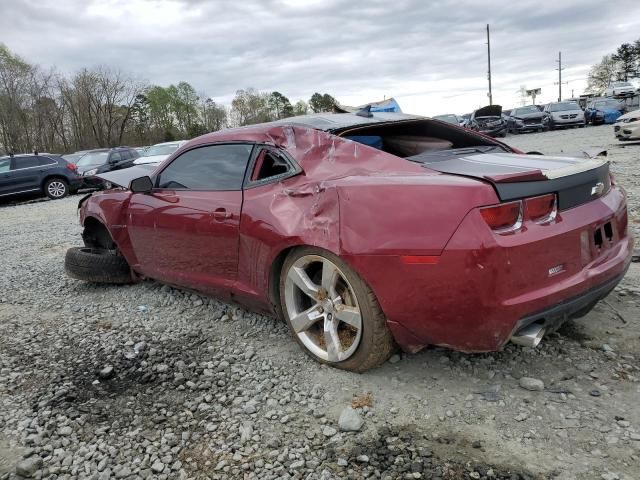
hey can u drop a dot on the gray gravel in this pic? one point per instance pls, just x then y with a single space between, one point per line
147 381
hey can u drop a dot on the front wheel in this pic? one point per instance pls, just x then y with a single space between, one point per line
97 265
56 188
332 313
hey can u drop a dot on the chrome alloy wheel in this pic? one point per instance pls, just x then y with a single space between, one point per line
56 189
322 308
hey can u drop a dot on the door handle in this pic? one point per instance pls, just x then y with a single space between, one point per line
221 214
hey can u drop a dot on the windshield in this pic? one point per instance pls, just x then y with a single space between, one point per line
562 107
606 104
161 149
525 110
93 158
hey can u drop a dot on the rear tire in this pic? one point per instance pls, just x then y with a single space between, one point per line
56 188
97 265
338 320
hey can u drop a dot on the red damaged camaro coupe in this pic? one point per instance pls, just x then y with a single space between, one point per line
365 231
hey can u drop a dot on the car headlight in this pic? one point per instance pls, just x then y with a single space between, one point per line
93 171
629 120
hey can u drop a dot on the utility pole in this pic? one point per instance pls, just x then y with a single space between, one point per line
559 62
489 65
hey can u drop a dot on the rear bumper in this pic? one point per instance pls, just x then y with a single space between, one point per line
92 182
552 318
485 286
75 183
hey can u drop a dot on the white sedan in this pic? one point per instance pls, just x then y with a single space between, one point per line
620 89
627 127
159 152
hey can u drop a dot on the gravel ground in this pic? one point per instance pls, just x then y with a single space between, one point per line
146 381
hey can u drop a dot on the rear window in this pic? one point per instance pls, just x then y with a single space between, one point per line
43 161
26 162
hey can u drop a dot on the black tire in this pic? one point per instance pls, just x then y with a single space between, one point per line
97 265
376 342
56 188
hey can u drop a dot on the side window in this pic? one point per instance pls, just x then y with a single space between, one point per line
124 154
115 157
5 164
25 162
133 154
45 161
214 167
270 163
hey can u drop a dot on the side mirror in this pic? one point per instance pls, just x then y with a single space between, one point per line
141 185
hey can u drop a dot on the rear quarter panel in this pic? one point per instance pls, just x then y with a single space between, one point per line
405 215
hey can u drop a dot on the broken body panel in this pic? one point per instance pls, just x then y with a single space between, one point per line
375 209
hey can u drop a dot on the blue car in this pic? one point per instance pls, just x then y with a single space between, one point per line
601 111
50 175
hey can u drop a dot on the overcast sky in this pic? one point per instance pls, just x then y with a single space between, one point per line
428 54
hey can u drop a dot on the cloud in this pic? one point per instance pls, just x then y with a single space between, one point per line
430 55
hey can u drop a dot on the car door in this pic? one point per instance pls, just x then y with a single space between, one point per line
115 161
127 159
186 230
25 174
5 176
588 112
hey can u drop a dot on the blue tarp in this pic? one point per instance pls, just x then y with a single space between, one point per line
386 106
611 115
370 140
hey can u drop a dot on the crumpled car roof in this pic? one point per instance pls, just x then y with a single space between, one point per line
321 155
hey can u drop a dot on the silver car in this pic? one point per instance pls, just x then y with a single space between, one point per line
564 114
620 89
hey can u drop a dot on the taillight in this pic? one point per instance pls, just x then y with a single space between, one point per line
542 209
503 218
72 167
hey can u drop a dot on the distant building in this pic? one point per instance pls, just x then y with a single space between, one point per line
387 105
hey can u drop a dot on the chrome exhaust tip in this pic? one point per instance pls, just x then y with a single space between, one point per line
529 336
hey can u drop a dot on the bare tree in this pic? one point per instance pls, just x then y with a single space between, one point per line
602 74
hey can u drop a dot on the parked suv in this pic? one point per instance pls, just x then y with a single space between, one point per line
104 160
527 119
30 173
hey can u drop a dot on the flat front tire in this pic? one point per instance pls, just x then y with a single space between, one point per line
332 313
97 265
